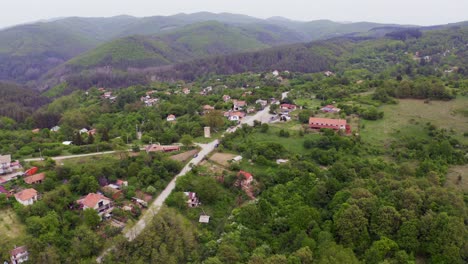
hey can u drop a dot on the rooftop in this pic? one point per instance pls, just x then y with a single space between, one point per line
26 194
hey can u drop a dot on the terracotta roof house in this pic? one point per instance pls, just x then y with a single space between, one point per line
226 98
288 107
121 183
186 90
330 109
208 108
192 199
171 118
96 201
335 124
234 115
238 105
19 255
35 179
161 148
27 196
246 178
36 130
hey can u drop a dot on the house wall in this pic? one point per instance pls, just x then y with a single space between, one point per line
27 202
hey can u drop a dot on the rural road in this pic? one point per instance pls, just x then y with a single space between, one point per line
133 232
74 156
154 208
206 149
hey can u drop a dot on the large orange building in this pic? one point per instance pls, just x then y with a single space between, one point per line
335 124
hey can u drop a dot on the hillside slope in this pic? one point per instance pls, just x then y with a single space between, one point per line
27 52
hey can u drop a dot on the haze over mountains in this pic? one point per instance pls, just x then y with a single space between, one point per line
42 54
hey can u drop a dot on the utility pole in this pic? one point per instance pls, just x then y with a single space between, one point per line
40 153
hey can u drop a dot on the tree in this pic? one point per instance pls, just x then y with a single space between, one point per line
380 250
351 226
91 218
187 140
90 139
214 119
78 140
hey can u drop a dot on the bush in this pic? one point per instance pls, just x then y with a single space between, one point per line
283 133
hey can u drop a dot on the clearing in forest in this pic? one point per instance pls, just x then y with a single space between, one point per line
10 225
409 116
457 177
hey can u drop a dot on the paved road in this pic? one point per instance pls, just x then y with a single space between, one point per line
153 209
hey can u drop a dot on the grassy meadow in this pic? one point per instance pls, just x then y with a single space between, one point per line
409 116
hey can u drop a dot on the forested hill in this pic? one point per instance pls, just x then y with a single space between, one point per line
28 51
194 41
405 50
17 104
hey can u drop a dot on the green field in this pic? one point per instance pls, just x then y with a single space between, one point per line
409 116
293 143
12 231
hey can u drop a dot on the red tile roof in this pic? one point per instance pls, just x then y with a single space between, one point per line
92 199
35 178
288 106
26 194
245 174
156 148
327 121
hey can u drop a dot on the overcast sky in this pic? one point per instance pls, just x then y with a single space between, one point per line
420 12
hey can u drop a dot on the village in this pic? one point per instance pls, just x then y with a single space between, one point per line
20 183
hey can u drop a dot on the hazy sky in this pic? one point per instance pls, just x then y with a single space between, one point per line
421 12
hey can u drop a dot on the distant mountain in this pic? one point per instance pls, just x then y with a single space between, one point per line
337 54
194 41
29 51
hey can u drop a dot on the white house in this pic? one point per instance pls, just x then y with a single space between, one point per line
27 197
5 164
19 255
96 201
275 73
84 130
171 118
192 199
55 129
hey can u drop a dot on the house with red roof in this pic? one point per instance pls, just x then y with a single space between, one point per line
238 105
27 197
330 109
226 98
161 148
171 118
290 107
96 201
19 255
35 179
335 124
245 178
